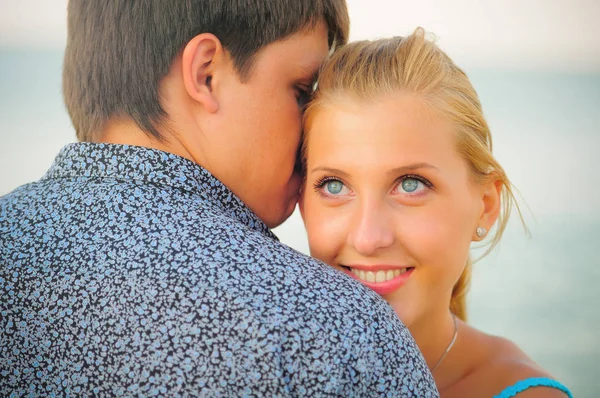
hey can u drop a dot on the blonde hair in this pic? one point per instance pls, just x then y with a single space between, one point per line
366 70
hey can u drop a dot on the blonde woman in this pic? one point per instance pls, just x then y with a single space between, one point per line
400 180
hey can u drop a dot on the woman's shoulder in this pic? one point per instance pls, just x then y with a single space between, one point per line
505 364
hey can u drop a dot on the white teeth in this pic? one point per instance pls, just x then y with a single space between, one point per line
379 276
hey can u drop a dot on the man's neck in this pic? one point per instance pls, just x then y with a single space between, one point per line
126 132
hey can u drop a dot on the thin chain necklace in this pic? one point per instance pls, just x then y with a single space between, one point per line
449 345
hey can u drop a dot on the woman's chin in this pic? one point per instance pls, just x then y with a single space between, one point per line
405 314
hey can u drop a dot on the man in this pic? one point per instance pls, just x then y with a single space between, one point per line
142 263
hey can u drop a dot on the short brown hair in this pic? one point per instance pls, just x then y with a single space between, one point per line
118 51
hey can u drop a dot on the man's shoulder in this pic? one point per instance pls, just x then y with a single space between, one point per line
159 262
19 194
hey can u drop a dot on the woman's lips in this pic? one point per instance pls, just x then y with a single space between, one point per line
383 279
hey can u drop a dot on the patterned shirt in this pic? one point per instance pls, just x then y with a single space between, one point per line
127 271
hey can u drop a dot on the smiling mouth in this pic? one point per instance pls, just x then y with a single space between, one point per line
376 276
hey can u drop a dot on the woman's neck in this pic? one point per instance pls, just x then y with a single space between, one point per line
433 334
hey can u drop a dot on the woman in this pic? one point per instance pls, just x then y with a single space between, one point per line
400 179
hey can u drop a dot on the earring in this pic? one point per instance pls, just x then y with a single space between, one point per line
481 232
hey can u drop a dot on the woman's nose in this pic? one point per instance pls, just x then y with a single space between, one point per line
371 230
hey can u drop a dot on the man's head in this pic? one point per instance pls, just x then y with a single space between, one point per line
220 82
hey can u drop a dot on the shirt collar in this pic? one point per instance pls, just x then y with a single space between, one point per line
126 163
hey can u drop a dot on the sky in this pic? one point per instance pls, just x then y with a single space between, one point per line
553 35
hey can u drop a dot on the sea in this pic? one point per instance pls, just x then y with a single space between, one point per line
541 290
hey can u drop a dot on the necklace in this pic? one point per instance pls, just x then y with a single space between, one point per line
449 345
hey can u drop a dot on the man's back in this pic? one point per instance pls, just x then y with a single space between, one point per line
130 271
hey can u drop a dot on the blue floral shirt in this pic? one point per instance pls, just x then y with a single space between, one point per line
127 271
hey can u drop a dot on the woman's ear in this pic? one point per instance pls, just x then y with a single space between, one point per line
202 57
491 201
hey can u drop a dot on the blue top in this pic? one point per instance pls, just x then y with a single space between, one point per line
532 382
131 271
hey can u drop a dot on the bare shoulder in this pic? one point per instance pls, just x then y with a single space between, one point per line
500 364
507 364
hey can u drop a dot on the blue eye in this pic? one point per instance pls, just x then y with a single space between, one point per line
331 188
334 187
413 185
410 185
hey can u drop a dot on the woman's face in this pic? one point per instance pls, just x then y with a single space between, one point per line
389 200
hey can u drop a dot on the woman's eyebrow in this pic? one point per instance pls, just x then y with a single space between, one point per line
412 167
330 170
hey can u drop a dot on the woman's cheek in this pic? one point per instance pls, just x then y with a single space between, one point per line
437 246
424 236
325 229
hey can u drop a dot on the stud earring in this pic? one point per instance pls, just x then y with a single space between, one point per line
481 232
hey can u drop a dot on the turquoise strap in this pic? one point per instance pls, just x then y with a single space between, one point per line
526 384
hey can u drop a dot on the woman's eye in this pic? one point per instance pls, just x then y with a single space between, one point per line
334 187
411 185
331 188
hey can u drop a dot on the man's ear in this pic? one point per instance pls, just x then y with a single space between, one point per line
201 57
491 200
